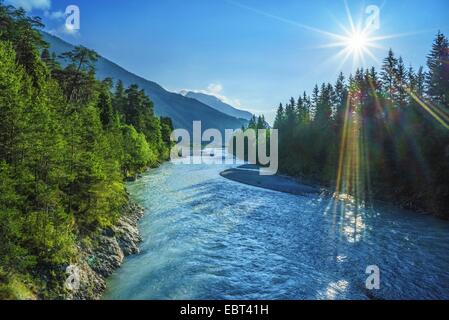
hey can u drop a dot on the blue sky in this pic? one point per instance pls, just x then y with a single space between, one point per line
253 53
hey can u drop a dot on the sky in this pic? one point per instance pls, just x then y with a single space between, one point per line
253 54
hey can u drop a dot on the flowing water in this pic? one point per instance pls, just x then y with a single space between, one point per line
209 238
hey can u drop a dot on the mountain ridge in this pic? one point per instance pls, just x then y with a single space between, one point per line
218 104
182 110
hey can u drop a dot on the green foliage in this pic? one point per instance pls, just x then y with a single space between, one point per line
66 145
138 153
15 287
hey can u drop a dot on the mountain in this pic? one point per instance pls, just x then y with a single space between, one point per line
182 110
218 105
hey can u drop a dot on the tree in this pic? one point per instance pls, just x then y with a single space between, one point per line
438 76
78 76
302 109
14 95
119 100
290 114
412 79
23 32
323 111
341 95
82 58
278 122
420 82
400 83
261 123
105 105
388 74
138 154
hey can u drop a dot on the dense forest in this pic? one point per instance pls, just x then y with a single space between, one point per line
67 143
375 135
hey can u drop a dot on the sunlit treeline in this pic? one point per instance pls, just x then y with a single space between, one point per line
377 134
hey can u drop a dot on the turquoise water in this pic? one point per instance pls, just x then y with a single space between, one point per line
209 238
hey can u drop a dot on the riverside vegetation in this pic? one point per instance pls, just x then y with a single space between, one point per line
374 135
67 143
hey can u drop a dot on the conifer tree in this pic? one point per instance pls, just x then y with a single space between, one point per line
438 76
388 74
400 83
278 122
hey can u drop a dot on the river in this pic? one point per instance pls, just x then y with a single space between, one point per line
206 237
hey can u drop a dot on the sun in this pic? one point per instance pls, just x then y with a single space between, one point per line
357 42
358 39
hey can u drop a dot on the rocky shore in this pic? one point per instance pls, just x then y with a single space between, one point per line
98 261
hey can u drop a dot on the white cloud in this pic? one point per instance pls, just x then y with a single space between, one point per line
55 15
29 5
215 88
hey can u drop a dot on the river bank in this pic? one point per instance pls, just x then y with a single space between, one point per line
98 261
249 174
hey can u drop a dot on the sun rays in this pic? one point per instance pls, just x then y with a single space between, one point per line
359 41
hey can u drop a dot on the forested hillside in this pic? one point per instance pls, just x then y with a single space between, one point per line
67 142
375 135
182 110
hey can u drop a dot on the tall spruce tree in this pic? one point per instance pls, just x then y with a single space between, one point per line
388 75
438 74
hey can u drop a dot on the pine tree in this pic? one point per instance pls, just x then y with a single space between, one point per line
261 123
302 112
400 83
420 82
323 111
105 107
341 95
79 76
438 75
23 32
412 79
388 74
280 116
373 81
119 101
307 107
166 130
290 114
14 96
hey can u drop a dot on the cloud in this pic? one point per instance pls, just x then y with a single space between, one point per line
29 5
215 88
55 15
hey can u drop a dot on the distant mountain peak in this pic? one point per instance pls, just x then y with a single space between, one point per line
217 103
184 92
181 109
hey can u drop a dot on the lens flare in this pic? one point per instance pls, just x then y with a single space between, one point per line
357 41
